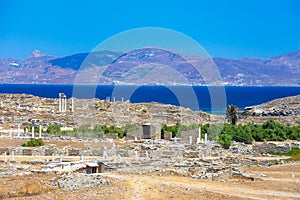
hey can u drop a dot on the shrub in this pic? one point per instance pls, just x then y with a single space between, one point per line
225 140
33 143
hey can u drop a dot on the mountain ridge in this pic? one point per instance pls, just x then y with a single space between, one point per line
114 66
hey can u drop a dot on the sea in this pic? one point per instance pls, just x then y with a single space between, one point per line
208 99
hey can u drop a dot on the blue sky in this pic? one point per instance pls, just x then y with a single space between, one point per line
233 28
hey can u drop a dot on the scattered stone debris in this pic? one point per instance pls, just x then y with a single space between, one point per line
71 181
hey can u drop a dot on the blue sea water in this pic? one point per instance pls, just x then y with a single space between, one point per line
175 95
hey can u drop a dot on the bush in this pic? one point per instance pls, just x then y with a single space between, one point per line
225 140
33 143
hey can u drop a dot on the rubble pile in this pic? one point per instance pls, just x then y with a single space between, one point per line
71 181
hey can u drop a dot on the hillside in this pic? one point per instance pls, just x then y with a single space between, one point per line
284 110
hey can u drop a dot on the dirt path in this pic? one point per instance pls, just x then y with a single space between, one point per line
141 182
281 182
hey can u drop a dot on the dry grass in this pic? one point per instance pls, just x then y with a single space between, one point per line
23 186
33 188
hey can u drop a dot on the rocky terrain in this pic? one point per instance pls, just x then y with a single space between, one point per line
284 110
150 66
142 170
29 109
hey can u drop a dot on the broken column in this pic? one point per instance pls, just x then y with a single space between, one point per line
199 135
60 159
191 140
10 134
5 159
205 138
81 157
53 157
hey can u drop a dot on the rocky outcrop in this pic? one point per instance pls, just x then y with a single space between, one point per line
288 106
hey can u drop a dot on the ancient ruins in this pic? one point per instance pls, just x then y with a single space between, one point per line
80 161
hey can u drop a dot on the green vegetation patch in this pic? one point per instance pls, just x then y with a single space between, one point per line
294 153
33 143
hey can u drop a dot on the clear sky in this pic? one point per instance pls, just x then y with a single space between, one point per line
233 28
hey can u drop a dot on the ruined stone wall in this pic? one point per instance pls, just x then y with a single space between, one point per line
275 147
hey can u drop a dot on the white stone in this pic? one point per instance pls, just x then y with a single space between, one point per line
32 132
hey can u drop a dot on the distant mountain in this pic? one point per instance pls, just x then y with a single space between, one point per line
281 70
150 66
95 58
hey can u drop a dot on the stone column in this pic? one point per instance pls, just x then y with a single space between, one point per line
10 134
205 138
81 157
5 159
199 135
59 103
191 140
64 104
61 158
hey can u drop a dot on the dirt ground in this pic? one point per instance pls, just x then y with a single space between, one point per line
279 182
6 142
